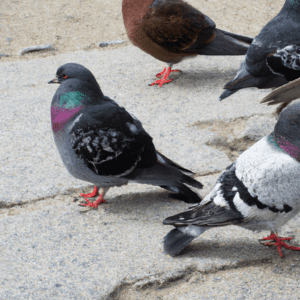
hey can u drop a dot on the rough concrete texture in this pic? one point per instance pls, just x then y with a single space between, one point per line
53 249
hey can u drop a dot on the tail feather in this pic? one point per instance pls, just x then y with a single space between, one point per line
175 241
169 177
244 79
163 159
223 44
285 93
183 193
239 37
227 93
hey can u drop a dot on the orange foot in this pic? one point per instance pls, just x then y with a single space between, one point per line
278 242
93 194
165 74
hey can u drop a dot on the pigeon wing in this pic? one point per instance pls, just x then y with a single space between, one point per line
110 141
176 25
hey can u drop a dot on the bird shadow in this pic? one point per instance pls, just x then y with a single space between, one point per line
222 249
154 206
204 77
154 203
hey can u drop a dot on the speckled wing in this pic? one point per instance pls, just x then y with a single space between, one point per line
110 141
285 62
285 93
176 25
217 209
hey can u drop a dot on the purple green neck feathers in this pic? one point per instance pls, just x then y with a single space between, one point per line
61 115
284 145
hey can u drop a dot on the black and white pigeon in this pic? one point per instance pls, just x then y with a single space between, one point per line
101 143
285 62
259 191
281 31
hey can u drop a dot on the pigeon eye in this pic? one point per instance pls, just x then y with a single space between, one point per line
65 76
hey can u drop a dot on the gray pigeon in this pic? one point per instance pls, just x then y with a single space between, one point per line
101 143
281 31
259 191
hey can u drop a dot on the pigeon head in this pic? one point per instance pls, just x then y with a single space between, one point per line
78 89
74 71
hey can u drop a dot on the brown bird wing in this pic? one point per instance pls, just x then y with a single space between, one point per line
176 25
285 93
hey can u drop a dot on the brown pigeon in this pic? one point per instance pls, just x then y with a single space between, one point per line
171 30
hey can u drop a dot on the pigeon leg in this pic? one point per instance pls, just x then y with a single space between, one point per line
277 241
94 193
97 202
165 73
164 70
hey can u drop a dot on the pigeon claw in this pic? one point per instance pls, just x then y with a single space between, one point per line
277 241
94 204
94 193
165 74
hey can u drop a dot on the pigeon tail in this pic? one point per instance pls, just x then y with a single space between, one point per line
169 176
171 163
244 79
239 37
183 192
177 239
226 94
285 93
221 45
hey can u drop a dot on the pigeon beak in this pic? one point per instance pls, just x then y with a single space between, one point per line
55 80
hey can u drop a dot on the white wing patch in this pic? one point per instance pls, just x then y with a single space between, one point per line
193 230
76 120
160 159
216 196
132 127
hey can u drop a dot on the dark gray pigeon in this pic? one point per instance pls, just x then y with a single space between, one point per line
259 191
100 142
281 31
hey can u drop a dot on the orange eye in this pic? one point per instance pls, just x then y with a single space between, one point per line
65 77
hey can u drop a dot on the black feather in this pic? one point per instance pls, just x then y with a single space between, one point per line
209 214
175 241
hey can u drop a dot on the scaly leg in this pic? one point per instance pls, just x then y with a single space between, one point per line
165 74
277 241
93 194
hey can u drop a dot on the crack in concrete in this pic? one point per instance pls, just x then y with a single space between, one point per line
154 282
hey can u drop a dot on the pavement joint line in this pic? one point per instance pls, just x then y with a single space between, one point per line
157 280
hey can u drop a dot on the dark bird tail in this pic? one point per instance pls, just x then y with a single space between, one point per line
244 79
170 176
223 44
192 223
239 37
175 241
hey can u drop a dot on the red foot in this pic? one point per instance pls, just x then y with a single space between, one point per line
165 73
92 194
93 204
278 241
